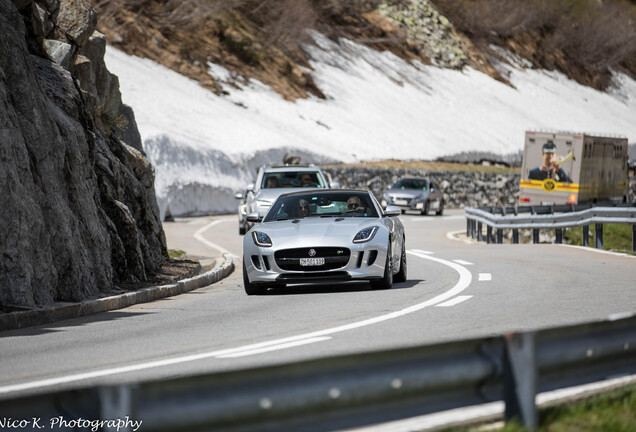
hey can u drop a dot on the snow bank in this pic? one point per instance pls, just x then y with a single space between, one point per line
206 147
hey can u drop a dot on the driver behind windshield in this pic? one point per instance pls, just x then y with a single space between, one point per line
354 205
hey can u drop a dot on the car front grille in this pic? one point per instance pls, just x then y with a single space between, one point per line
289 259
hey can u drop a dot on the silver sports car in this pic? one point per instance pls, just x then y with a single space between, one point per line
324 236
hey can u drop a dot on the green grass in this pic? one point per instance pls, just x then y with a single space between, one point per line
616 237
175 253
614 411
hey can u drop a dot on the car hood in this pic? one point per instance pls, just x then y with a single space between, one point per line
315 231
405 193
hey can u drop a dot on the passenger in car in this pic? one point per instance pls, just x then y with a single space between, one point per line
302 209
272 183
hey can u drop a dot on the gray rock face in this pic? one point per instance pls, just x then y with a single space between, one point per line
78 211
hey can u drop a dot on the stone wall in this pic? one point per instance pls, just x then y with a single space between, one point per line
461 188
78 211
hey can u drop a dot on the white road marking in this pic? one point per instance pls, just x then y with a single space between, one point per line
199 236
246 353
416 251
454 301
593 249
485 276
465 278
462 262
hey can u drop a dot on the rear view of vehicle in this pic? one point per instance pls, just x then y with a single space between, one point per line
572 168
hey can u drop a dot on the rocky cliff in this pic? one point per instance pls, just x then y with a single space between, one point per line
78 212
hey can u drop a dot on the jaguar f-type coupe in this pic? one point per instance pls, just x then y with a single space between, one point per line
324 236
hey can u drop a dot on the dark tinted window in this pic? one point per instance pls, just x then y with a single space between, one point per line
410 184
322 204
292 179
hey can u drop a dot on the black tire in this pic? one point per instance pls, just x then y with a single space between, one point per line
387 280
242 230
400 276
440 211
426 209
250 288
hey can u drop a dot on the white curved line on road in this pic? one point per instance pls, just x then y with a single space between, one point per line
465 278
199 236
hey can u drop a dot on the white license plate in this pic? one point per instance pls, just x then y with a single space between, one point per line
401 202
312 261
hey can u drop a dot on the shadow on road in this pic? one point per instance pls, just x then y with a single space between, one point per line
331 288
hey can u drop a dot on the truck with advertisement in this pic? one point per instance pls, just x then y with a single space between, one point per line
573 168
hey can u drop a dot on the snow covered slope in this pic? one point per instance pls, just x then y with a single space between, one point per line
207 147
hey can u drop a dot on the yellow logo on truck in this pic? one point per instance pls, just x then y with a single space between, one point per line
549 185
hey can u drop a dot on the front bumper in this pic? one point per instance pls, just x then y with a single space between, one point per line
404 204
366 262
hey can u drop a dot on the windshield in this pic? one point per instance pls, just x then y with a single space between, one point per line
292 179
322 204
410 184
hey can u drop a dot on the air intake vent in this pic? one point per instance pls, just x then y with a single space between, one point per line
372 257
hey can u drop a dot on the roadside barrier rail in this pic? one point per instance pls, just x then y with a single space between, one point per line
497 219
347 391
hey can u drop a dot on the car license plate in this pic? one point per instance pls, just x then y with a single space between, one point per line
401 202
312 261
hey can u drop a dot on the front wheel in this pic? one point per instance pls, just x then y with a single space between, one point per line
440 210
427 207
387 280
250 288
400 276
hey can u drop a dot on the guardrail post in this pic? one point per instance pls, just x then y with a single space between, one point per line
599 236
535 235
559 236
515 236
586 235
499 236
488 234
634 238
479 234
116 402
520 378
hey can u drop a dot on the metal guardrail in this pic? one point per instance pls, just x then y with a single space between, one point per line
354 390
546 217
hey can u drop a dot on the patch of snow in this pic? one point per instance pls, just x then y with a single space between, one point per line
205 147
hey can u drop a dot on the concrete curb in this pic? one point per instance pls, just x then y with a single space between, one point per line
45 315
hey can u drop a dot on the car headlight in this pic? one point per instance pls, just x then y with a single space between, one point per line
263 203
365 235
383 203
261 239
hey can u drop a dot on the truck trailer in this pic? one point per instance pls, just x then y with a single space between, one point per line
573 168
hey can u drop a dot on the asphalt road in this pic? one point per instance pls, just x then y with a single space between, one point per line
455 290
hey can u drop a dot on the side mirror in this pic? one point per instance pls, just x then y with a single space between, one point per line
238 196
392 211
254 217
